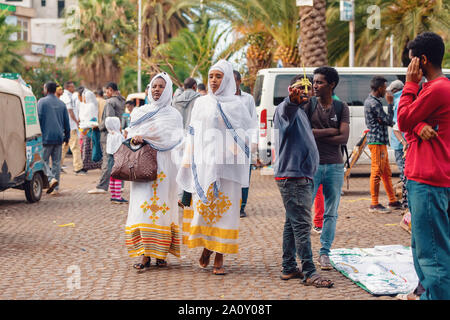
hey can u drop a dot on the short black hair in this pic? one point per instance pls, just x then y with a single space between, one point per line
189 83
237 75
298 77
67 84
377 82
51 87
429 44
331 75
131 102
112 85
201 86
99 92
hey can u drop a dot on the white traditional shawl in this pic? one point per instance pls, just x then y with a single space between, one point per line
114 138
88 110
158 122
218 146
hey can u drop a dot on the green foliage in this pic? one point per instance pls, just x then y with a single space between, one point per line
192 52
106 31
10 59
128 81
49 70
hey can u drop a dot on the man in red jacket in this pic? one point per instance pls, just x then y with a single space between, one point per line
426 121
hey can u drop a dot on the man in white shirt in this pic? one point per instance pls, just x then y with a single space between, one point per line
71 101
249 103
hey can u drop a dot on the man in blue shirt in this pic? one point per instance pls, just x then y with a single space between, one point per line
55 127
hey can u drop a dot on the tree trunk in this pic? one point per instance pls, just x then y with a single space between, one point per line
313 34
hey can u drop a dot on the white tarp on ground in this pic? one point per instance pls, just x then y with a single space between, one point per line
382 270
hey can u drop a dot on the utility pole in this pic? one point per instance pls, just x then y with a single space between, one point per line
139 84
351 38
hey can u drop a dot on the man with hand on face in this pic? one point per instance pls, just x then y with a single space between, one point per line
296 162
425 118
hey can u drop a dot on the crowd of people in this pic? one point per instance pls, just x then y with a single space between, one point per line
206 140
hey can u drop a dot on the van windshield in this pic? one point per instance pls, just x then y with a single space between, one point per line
257 90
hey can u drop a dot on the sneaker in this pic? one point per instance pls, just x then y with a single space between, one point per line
97 191
324 262
63 171
317 229
54 193
52 185
119 201
80 172
395 205
243 214
297 274
379 208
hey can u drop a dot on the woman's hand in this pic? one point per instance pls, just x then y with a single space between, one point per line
137 140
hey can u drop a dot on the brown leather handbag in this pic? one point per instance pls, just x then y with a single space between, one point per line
135 162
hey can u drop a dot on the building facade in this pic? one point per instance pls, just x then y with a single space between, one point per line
42 26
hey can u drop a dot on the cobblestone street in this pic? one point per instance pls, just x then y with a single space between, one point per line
39 257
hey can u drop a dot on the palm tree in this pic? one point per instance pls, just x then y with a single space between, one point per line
192 52
10 59
161 23
404 19
313 34
107 31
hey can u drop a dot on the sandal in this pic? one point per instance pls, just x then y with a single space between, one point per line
204 259
317 281
140 266
219 271
161 263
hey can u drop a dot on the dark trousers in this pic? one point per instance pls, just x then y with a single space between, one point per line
245 192
106 165
297 200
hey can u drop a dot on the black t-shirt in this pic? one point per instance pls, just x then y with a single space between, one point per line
322 119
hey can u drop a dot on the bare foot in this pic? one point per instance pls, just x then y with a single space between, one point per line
218 265
204 259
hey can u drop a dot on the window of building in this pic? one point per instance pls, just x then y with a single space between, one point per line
43 3
61 6
23 33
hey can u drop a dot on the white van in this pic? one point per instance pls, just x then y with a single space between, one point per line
271 87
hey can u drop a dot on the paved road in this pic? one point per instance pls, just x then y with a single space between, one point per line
39 259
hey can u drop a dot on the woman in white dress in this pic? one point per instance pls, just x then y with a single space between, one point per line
152 228
215 168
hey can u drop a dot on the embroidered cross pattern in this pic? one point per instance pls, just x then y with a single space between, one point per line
154 207
218 206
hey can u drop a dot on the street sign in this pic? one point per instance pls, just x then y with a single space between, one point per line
347 10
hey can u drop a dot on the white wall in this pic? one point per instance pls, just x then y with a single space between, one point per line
50 31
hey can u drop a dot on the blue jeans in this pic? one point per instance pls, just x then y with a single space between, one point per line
430 238
297 199
245 192
331 176
54 151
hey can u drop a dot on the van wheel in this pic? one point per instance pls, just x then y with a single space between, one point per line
33 188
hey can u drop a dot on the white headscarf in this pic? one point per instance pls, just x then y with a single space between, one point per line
211 153
114 138
158 122
228 86
88 110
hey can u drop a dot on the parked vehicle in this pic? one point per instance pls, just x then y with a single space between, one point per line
21 151
271 87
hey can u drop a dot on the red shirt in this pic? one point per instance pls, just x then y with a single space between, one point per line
427 161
